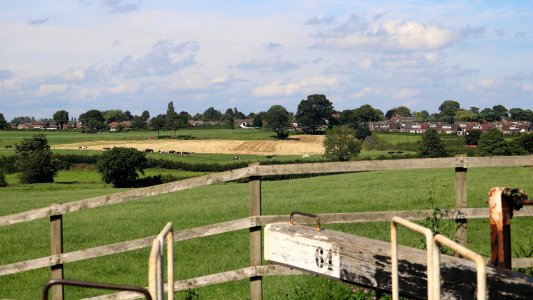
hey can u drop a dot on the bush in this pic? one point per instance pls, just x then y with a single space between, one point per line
7 164
431 145
492 143
526 141
34 160
120 166
340 144
3 181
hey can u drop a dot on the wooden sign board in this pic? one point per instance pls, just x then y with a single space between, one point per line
366 262
302 247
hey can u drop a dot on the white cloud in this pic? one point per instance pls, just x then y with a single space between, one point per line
405 93
222 79
278 88
365 92
78 74
10 84
527 87
48 89
125 88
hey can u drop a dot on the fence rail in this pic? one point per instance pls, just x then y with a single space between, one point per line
255 220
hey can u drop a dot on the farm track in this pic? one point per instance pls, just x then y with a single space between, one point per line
300 145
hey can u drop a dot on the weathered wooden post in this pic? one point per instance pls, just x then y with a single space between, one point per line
256 289
56 248
461 200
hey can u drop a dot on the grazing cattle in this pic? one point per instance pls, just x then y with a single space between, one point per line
172 151
306 156
236 158
106 148
186 153
149 150
8 146
269 156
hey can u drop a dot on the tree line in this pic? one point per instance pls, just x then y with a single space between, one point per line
312 113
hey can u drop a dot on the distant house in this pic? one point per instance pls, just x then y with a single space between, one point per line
117 126
242 123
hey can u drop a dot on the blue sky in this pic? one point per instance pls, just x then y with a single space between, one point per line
138 55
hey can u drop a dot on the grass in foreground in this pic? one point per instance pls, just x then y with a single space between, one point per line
369 191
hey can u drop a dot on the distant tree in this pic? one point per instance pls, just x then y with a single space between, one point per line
128 116
362 131
463 115
403 111
183 120
61 117
92 120
421 116
138 123
145 116
313 112
488 115
121 166
492 143
158 123
114 115
3 122
500 111
472 137
518 114
171 118
3 182
22 120
228 117
340 144
34 160
526 141
257 120
237 114
366 113
277 118
431 145
212 114
447 109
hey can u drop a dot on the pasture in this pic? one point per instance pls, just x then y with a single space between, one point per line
355 192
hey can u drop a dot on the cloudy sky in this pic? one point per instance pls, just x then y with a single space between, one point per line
138 55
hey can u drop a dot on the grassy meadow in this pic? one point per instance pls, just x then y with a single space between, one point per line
355 192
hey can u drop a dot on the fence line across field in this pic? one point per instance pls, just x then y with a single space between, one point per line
255 220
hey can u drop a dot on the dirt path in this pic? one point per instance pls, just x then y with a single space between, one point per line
300 145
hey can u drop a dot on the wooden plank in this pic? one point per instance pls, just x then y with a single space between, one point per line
255 243
124 246
56 249
522 262
366 262
212 279
131 195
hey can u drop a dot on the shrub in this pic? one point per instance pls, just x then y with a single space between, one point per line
120 166
493 143
34 160
3 181
340 144
431 145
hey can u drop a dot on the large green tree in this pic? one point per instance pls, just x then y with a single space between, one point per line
34 160
171 118
526 141
3 122
61 118
314 111
157 123
211 114
92 120
492 143
121 166
277 118
366 113
431 145
448 109
340 144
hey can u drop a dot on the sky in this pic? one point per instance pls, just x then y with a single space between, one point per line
139 55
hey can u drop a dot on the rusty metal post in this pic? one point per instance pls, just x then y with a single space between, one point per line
256 289
56 248
461 201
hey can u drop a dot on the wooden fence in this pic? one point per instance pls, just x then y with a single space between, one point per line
255 220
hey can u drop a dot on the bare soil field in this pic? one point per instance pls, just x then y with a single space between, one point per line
299 145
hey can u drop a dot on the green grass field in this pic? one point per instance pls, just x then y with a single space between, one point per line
406 190
368 191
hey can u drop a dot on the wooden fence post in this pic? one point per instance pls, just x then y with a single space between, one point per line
256 290
56 247
461 202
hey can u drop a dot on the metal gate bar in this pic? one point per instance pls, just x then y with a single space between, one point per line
155 264
93 285
433 289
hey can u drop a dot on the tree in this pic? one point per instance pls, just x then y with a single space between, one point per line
314 111
61 118
431 145
158 123
403 111
492 143
448 109
121 166
93 120
472 137
340 144
212 114
488 115
526 141
138 123
171 120
257 120
3 181
277 118
500 111
114 115
34 160
366 113
3 122
421 116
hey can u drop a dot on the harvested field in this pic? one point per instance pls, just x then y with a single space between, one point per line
299 145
